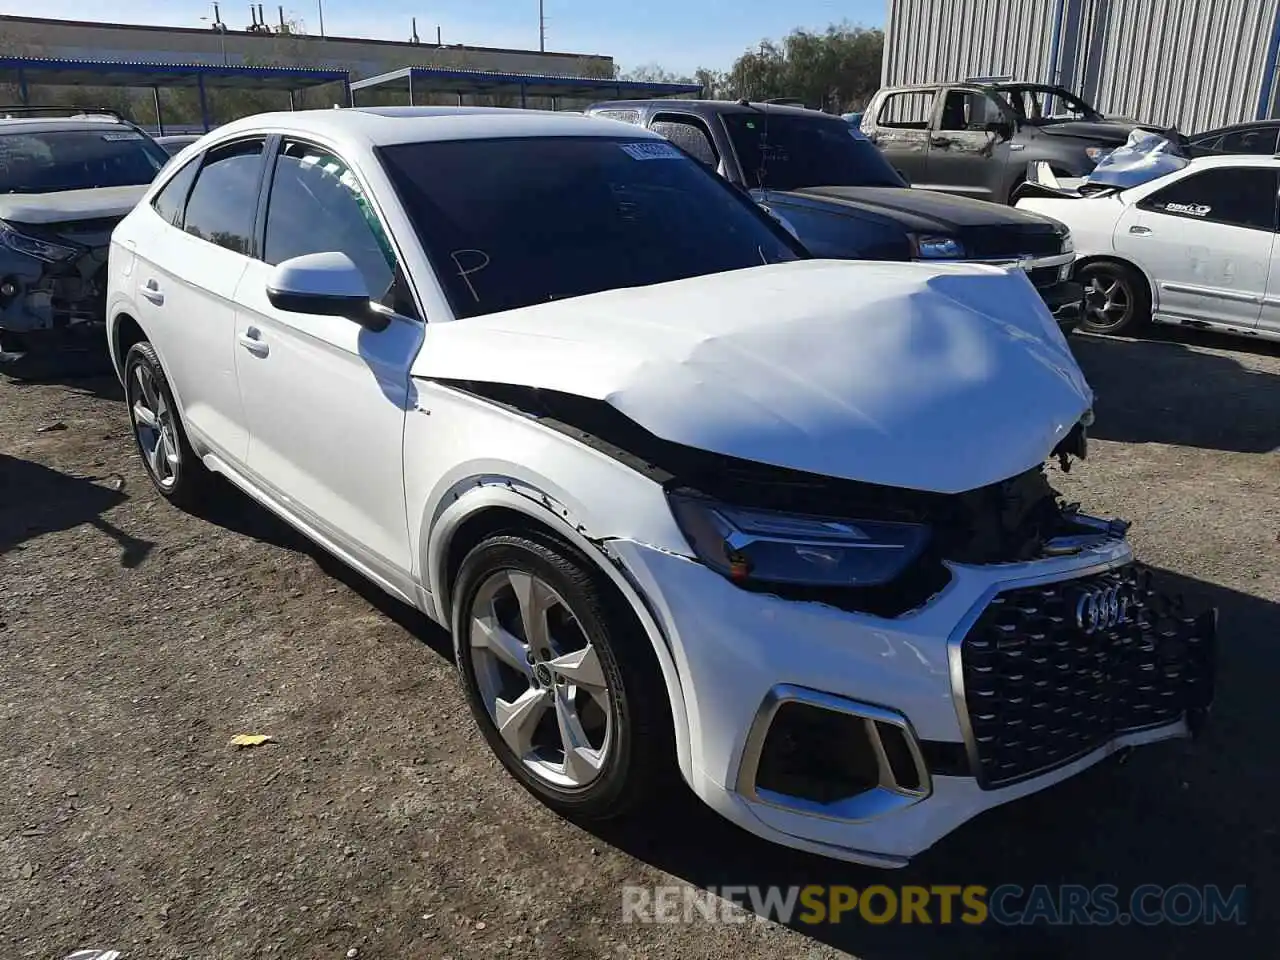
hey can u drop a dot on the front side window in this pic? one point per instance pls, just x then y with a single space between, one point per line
1236 196
791 152
516 222
317 205
225 196
969 110
54 161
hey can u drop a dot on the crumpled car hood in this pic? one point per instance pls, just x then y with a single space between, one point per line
931 377
70 204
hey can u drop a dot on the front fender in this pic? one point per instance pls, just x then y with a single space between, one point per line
472 497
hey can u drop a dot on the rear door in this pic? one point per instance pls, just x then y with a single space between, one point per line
964 156
1206 241
901 130
189 262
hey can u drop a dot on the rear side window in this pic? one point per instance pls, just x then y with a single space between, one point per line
690 135
224 200
910 111
172 198
1236 196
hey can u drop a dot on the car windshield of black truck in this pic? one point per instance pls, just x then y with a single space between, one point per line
510 223
786 152
49 162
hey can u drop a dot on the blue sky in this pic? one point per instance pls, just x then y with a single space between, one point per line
678 34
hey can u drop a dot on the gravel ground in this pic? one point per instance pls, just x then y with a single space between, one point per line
137 640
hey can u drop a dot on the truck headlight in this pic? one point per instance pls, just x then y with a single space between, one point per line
1068 243
748 545
925 247
33 246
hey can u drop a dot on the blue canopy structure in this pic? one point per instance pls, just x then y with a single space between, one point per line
419 80
23 71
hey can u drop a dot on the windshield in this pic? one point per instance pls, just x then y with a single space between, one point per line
787 152
512 223
47 162
1041 104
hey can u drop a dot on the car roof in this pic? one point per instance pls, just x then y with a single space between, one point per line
1236 127
385 126
712 107
58 124
1234 160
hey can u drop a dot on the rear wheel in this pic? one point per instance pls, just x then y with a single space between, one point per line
1116 298
171 464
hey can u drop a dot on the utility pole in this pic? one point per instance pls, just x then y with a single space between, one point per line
542 29
320 6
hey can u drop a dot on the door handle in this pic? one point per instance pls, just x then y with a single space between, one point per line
1138 230
252 341
151 290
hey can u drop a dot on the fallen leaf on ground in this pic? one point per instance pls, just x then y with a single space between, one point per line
251 739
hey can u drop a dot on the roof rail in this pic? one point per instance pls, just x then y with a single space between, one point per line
787 101
19 110
1004 79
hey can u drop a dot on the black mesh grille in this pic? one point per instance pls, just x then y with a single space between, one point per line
1042 690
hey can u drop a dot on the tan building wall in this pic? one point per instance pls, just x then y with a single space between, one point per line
70 39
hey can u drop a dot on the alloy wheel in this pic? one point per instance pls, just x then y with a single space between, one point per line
1108 301
540 679
154 425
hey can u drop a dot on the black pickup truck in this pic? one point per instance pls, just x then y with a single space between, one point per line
834 190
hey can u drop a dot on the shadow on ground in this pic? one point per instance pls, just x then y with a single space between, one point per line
35 500
1158 391
1183 812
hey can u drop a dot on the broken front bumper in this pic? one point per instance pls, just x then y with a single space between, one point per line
50 312
1065 301
869 739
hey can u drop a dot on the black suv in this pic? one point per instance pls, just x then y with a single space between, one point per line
976 138
834 191
65 182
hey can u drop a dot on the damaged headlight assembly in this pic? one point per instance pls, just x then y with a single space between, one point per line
33 246
749 545
924 247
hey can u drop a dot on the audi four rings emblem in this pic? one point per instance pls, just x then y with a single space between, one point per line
1101 608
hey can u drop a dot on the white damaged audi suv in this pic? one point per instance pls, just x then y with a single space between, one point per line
689 501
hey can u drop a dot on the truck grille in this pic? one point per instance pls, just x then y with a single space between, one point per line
1055 671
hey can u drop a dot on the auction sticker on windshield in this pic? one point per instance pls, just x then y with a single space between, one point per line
651 150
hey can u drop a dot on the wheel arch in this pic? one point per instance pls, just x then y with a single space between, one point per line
1083 262
493 504
123 331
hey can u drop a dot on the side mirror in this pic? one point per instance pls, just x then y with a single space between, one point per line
1001 128
325 284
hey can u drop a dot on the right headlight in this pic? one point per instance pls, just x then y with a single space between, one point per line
749 545
34 246
935 248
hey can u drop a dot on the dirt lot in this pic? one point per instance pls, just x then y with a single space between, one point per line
137 640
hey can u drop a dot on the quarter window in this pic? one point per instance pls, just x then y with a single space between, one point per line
225 198
1237 196
170 202
1258 141
318 206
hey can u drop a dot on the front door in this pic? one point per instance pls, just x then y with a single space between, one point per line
326 397
1206 241
965 157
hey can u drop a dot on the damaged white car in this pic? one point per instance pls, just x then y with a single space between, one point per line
687 499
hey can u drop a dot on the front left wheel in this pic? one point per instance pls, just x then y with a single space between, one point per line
560 678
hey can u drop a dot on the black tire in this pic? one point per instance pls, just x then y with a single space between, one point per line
640 762
1117 298
188 481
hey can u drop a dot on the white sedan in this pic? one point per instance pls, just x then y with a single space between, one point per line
687 500
1194 247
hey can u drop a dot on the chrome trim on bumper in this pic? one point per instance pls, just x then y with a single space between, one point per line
887 797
